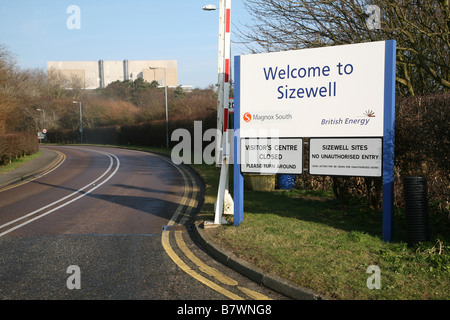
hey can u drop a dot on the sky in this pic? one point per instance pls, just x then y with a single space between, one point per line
36 31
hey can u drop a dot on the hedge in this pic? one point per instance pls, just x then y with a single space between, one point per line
152 134
17 145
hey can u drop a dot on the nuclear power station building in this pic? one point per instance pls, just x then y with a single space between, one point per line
98 74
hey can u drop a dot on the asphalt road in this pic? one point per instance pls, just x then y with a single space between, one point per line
110 223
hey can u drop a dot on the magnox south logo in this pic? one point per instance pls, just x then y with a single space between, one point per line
247 117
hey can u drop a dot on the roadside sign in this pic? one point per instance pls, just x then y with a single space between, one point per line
44 131
270 156
328 94
357 157
40 135
321 92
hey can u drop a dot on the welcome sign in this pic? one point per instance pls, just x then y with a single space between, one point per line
341 97
322 92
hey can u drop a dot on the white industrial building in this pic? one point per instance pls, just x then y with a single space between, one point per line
98 74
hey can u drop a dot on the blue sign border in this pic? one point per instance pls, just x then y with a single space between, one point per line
389 139
238 176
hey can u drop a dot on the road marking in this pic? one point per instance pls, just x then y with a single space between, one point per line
190 255
175 258
253 294
180 263
203 267
193 203
183 200
62 158
64 198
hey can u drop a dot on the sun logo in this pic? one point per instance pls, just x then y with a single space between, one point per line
369 113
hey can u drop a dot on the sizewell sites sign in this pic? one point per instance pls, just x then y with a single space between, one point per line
340 97
346 156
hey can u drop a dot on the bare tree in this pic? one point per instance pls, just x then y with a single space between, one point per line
420 27
8 100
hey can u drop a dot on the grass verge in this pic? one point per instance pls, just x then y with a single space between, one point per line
16 163
311 238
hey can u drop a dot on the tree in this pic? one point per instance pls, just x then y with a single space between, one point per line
179 93
420 27
140 85
117 90
7 101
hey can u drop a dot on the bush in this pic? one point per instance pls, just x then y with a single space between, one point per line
421 148
17 145
422 145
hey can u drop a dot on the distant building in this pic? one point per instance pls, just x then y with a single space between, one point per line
98 74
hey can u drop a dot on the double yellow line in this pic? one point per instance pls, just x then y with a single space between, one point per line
183 213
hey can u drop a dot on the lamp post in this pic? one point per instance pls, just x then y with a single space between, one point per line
209 7
167 112
43 115
81 121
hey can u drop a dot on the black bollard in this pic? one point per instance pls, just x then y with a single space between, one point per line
416 205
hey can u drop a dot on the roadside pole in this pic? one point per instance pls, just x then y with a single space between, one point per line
222 143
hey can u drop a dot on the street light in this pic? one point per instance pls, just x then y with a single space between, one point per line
43 114
167 112
81 122
209 7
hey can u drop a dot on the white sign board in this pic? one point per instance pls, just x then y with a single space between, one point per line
270 156
346 157
321 92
